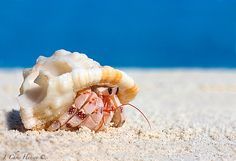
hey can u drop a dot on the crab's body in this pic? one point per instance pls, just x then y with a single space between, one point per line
70 90
93 108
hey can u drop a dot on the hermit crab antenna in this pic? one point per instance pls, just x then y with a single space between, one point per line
139 111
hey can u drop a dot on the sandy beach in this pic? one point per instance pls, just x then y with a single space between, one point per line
192 113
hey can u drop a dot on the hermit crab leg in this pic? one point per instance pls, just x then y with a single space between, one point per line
83 98
89 115
92 121
100 126
63 119
95 116
107 118
75 120
110 107
79 102
118 118
109 111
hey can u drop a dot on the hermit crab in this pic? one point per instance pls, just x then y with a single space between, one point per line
69 90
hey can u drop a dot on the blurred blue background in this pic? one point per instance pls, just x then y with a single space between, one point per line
131 33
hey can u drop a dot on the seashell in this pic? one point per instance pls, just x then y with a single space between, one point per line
51 86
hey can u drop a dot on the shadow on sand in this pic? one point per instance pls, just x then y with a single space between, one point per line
14 121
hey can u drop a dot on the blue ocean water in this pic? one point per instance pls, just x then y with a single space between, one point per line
128 33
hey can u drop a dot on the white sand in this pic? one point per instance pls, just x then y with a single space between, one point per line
192 112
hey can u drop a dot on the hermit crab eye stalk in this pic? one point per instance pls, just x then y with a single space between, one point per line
110 90
117 90
113 90
71 90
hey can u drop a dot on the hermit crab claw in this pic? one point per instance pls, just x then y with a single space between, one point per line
69 90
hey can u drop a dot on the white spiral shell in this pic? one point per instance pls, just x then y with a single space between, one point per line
50 87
